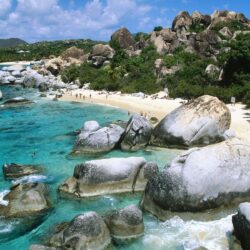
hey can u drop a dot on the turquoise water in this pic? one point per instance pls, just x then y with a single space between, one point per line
44 128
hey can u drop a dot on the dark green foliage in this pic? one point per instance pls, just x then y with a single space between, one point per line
141 36
70 74
38 51
237 67
233 25
11 42
196 27
158 28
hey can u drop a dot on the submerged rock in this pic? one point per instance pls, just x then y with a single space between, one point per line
126 223
17 101
137 133
85 231
241 223
201 178
26 200
98 141
13 171
200 122
107 176
42 247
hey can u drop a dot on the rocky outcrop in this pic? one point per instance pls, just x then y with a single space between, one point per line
124 38
126 223
107 176
165 41
225 16
98 141
241 223
205 43
13 171
182 22
85 231
200 122
26 200
201 178
203 20
54 65
102 50
101 53
73 52
137 133
32 79
226 32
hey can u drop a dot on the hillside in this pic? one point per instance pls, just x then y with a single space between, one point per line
41 50
199 54
11 42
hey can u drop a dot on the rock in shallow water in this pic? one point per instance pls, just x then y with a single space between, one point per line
85 231
26 200
126 223
200 122
101 140
13 171
201 178
241 222
17 101
137 133
107 176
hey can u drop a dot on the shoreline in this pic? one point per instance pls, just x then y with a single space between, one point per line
158 108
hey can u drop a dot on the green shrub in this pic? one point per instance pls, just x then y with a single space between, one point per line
158 28
70 74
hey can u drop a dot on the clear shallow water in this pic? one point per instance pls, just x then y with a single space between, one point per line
42 128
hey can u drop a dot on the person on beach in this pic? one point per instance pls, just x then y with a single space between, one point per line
76 96
80 95
90 96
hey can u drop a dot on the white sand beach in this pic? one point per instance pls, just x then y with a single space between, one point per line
156 107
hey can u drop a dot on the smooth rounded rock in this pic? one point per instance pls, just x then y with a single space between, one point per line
200 122
85 231
108 176
201 178
126 223
137 133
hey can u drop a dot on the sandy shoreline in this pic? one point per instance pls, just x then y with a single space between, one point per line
157 107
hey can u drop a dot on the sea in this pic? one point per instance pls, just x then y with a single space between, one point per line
42 133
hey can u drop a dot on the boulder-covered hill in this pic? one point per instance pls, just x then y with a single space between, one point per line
11 42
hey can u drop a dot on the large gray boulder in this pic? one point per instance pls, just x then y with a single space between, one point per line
85 231
103 50
98 141
165 41
241 223
14 171
126 223
137 133
107 176
182 22
29 199
201 178
32 79
1 95
200 122
124 38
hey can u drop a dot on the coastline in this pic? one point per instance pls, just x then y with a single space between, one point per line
158 108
